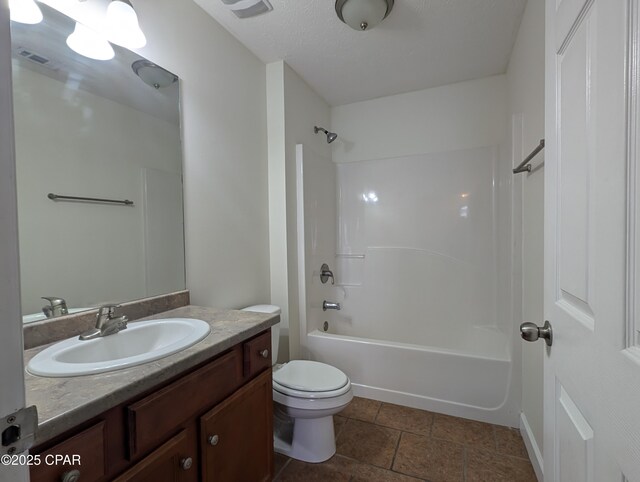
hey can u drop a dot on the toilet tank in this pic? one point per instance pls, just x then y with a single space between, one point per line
275 329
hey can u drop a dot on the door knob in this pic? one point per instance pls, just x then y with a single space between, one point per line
530 332
213 440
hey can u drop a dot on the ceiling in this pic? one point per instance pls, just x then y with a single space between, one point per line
421 44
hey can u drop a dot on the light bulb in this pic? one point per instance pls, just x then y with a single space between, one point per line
25 11
87 42
123 27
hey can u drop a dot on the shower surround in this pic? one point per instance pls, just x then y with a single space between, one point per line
421 251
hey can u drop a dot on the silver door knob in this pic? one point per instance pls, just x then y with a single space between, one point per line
264 353
185 464
213 440
530 332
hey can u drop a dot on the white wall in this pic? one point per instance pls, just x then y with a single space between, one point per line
87 253
278 251
525 78
457 116
225 151
293 125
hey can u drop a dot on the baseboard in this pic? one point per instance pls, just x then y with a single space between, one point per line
532 447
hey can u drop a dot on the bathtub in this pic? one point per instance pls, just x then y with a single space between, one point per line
471 380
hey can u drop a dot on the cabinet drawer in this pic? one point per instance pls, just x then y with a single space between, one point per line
154 418
88 447
172 462
254 354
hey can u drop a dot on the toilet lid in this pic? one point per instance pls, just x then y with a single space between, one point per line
310 376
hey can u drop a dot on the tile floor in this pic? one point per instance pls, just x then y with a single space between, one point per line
381 442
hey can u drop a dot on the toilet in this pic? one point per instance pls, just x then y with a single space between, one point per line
306 395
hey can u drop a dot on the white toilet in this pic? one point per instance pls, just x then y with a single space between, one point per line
306 395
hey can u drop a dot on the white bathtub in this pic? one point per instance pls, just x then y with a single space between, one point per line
445 380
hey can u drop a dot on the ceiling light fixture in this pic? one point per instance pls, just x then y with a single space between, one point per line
363 14
122 25
25 11
89 43
152 74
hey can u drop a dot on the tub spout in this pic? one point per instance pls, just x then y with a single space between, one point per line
329 305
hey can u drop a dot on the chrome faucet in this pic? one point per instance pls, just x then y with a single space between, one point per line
57 307
106 323
330 305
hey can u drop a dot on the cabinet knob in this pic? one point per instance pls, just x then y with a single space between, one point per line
213 440
185 464
264 353
71 476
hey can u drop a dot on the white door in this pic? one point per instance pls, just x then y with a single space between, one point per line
11 371
592 371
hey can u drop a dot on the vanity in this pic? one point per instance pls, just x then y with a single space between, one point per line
204 413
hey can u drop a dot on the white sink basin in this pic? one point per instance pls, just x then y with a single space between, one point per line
140 343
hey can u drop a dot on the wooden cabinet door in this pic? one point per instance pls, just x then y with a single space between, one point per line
154 418
237 435
85 452
172 462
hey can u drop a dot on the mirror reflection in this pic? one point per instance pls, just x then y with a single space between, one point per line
106 131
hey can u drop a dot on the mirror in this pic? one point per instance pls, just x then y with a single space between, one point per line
94 129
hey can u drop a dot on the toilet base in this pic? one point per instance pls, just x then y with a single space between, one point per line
313 440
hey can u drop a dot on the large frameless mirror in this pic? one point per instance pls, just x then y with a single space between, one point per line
106 132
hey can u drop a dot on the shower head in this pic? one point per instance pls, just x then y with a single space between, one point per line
331 136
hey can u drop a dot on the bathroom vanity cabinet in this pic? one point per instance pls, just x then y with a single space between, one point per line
212 423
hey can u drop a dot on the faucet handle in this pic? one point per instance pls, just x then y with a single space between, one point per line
54 300
108 310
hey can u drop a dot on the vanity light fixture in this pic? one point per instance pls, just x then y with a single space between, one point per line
89 43
25 11
363 14
122 25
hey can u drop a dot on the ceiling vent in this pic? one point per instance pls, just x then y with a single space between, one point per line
27 54
248 8
36 58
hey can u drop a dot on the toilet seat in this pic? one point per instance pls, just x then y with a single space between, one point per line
304 394
310 379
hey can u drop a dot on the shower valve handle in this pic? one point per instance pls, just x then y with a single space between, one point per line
325 274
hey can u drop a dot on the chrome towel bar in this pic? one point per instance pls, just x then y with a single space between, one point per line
524 165
56 197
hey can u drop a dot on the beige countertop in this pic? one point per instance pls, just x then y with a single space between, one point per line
64 403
